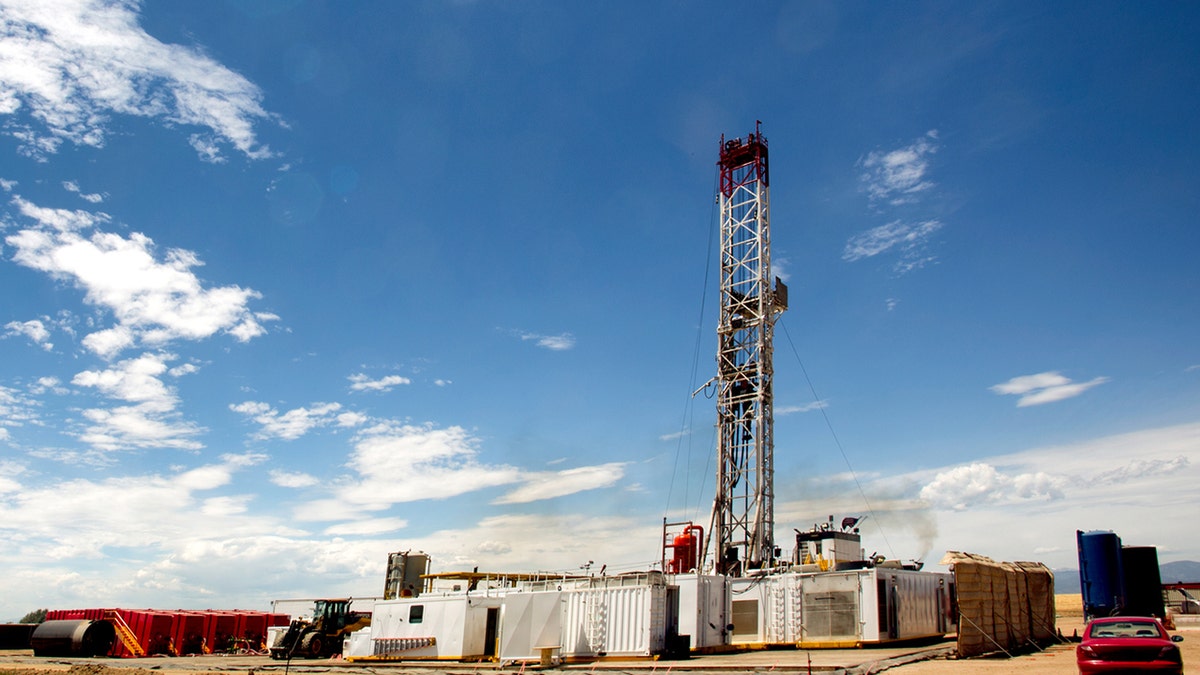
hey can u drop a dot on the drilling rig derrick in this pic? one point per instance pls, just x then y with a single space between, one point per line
743 510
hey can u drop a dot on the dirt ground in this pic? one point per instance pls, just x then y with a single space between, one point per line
1056 659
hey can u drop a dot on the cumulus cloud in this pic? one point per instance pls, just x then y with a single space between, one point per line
154 299
363 382
288 425
551 484
33 329
962 487
67 67
149 421
1046 387
899 176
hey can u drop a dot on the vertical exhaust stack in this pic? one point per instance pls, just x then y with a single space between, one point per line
743 511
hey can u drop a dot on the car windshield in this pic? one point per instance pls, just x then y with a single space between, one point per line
1141 629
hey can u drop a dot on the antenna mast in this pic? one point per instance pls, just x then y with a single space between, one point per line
744 509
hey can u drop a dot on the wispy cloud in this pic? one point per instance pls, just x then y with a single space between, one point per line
69 66
899 176
908 238
363 382
893 179
1046 387
552 484
557 343
16 409
154 298
395 463
808 407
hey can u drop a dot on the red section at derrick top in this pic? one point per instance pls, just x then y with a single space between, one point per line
743 161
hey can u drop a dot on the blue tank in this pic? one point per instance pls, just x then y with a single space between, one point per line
1101 578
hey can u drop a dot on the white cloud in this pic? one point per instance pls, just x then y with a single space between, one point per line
289 425
363 382
291 479
154 299
33 329
351 419
367 527
1027 505
398 463
898 176
1046 387
51 384
71 65
964 486
72 186
150 422
808 407
907 238
135 380
555 342
551 484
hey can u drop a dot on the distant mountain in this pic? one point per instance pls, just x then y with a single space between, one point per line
1180 571
1185 571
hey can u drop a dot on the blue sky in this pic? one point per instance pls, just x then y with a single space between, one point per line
289 285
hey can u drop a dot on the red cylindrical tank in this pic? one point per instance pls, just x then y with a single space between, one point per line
683 548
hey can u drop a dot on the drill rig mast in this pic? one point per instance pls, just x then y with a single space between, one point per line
743 511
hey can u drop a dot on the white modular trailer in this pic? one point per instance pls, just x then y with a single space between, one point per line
703 610
530 623
452 627
617 620
840 609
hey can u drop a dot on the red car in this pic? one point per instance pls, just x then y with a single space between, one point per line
1124 644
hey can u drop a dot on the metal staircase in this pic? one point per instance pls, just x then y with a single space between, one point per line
124 633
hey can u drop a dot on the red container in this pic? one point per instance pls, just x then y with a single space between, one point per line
254 629
223 630
159 633
189 633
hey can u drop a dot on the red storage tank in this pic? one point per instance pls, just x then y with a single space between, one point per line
685 550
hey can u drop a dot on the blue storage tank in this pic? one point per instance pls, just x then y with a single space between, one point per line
1101 578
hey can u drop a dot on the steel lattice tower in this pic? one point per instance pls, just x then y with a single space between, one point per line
743 511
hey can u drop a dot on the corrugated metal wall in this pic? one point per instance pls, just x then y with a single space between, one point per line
627 621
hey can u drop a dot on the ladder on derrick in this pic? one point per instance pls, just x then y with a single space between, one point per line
124 633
